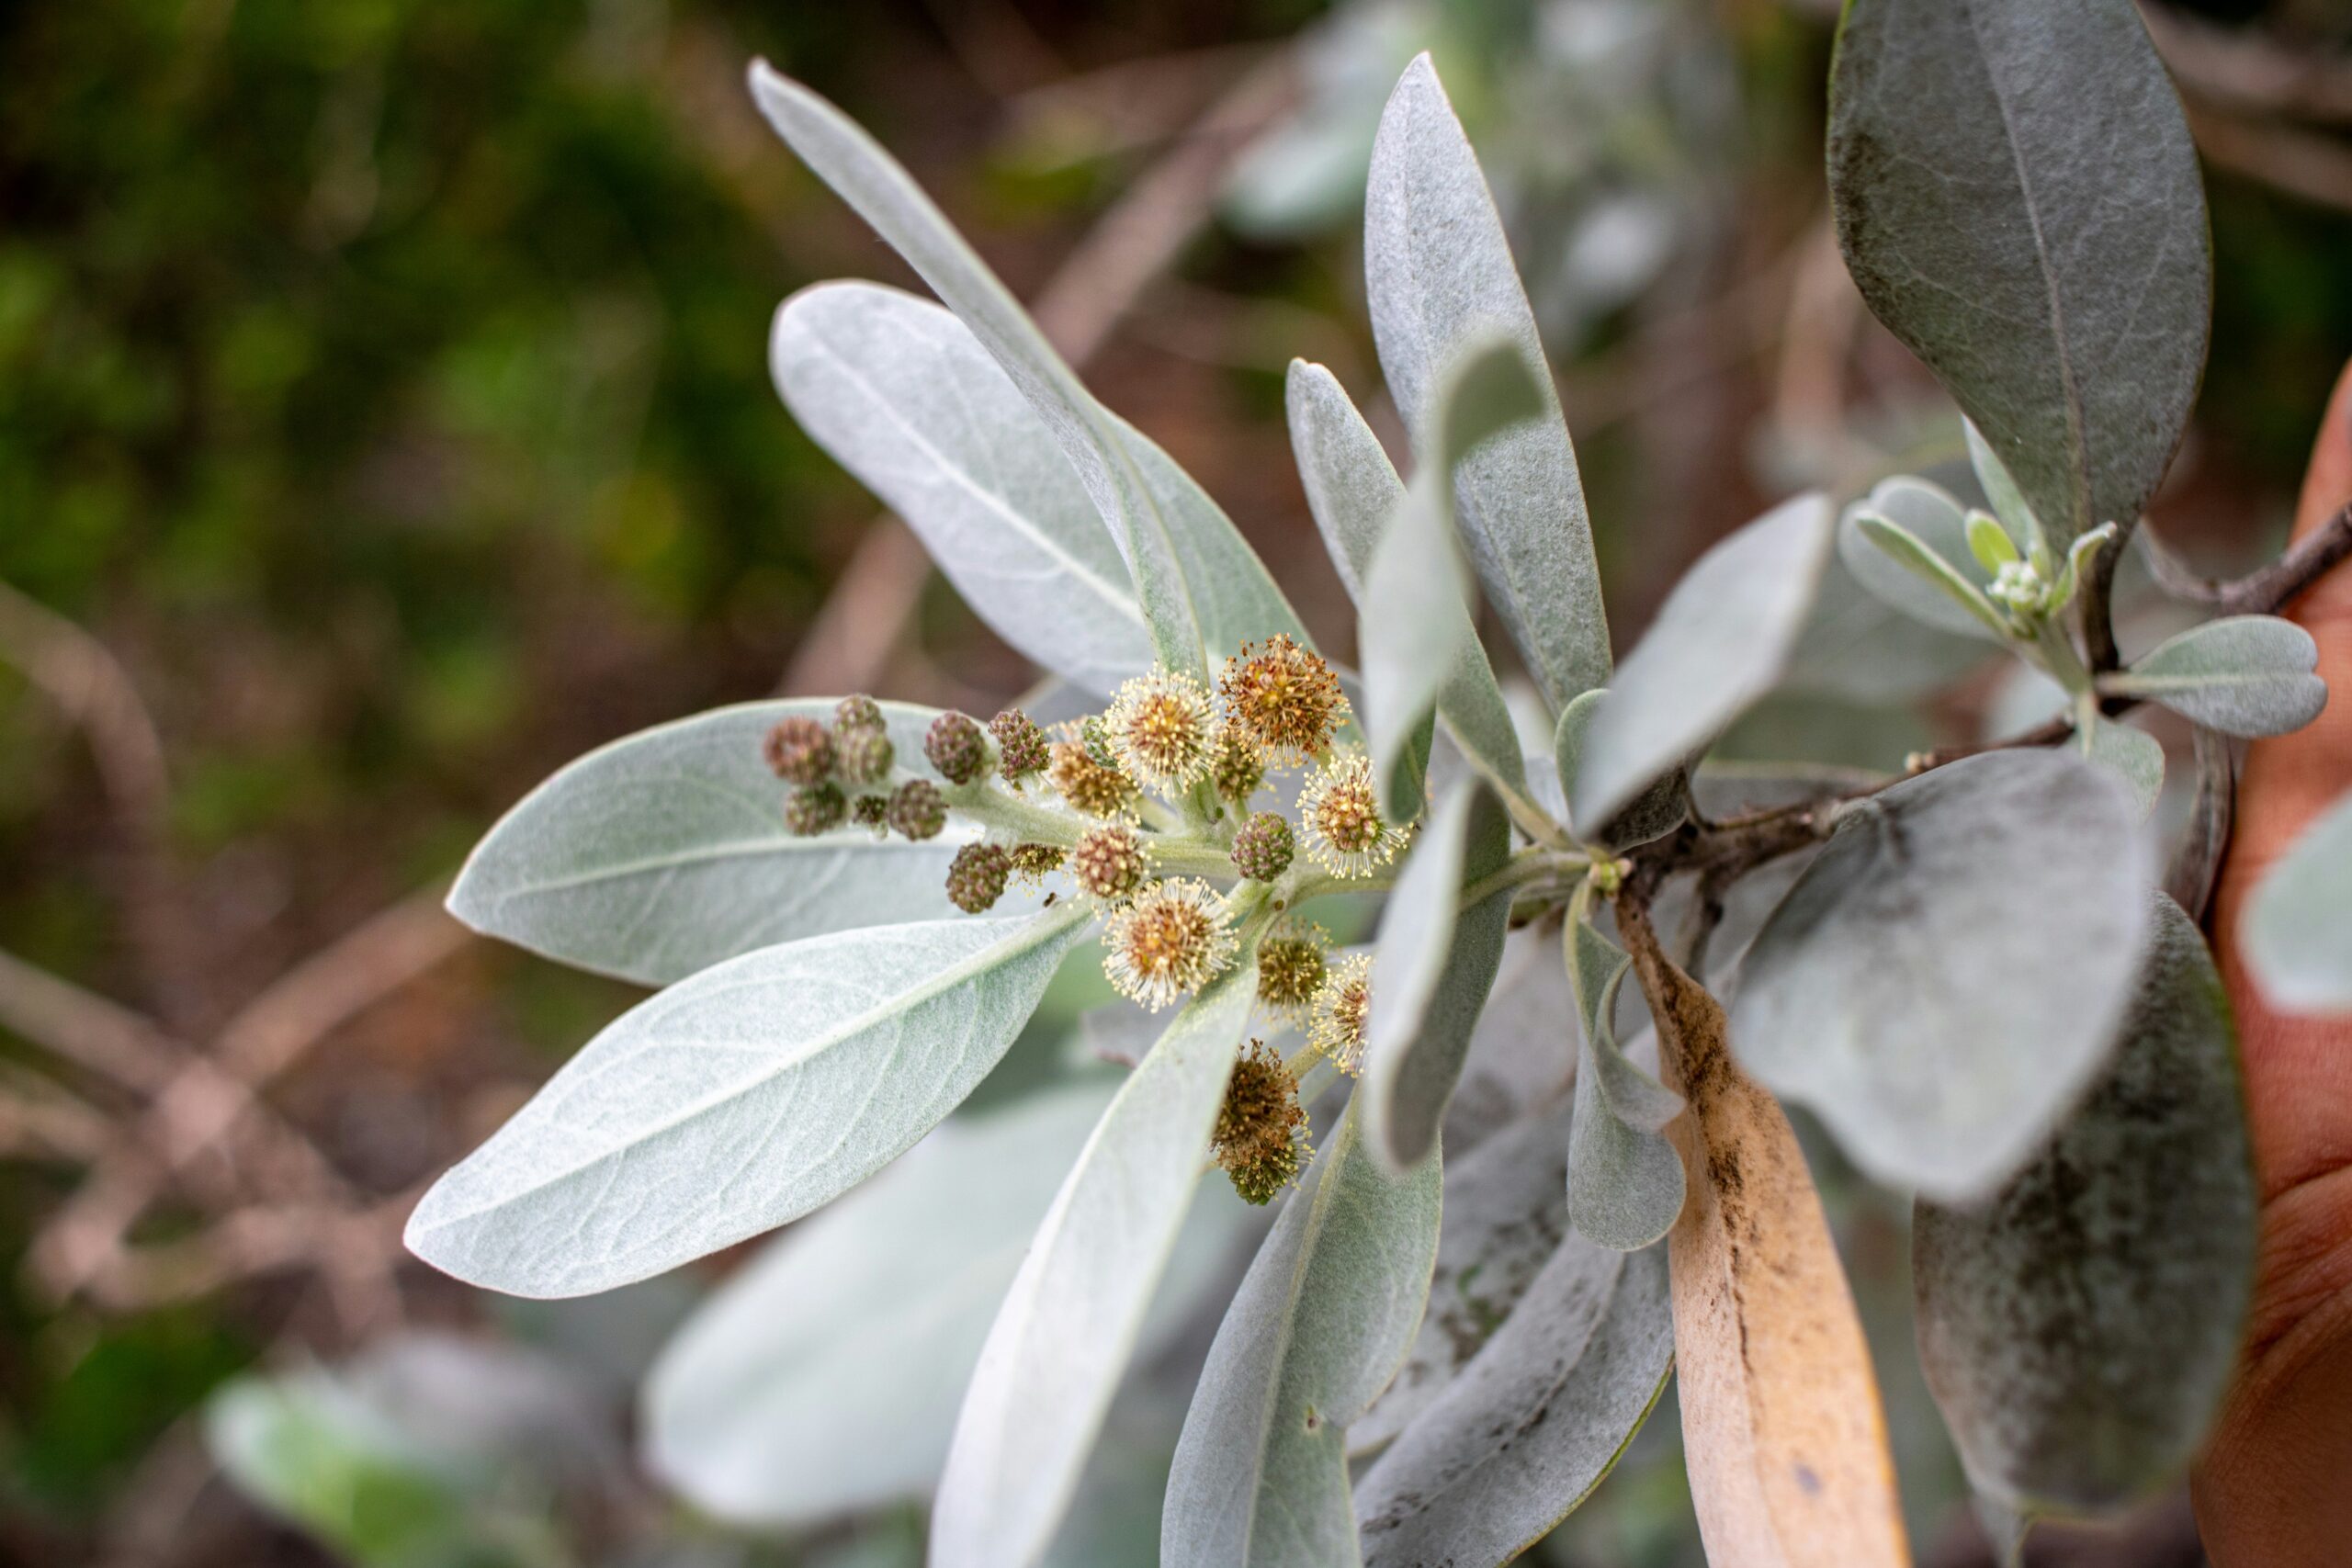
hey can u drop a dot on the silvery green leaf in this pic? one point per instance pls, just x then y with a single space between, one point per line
2080 1328
1526 1431
738 1099
1717 645
2018 520
1625 1180
1439 273
1354 493
2297 926
665 852
1070 1321
2018 199
2246 675
903 395
1856 647
2131 754
1413 631
1943 981
1352 486
1656 812
1520 1062
823 1377
1502 1223
1318 1327
1432 972
1923 566
1114 464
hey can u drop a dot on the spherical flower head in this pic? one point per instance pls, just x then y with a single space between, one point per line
1239 764
1090 785
815 808
1172 939
872 812
1346 835
1020 744
917 809
1285 696
1162 730
1260 1139
1263 849
857 713
1336 1023
976 876
956 748
1110 863
1292 964
800 751
1033 862
863 752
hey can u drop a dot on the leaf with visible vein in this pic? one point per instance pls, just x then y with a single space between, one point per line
738 1100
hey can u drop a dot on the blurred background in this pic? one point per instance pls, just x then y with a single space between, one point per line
384 420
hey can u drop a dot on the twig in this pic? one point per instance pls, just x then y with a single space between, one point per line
2196 858
2263 592
2242 66
82 1028
2301 163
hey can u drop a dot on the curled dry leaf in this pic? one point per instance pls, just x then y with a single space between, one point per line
1781 1419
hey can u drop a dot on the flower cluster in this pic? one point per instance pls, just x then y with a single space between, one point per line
1342 1005
838 773
1136 806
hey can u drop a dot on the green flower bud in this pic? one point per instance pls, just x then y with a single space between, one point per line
956 748
800 751
815 808
918 809
1263 849
975 878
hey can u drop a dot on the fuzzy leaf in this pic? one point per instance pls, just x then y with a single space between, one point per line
1070 1321
1656 812
1156 520
1942 982
2018 199
1782 1426
2079 1330
1923 565
1354 493
1625 1180
2246 675
2129 753
738 1099
1414 631
1439 273
2297 926
1717 645
903 395
1527 1430
665 852
1318 1328
1503 1222
1432 972
1993 477
823 1377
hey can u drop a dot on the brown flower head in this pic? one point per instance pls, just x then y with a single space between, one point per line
1260 1139
1162 730
1091 785
1340 810
1285 696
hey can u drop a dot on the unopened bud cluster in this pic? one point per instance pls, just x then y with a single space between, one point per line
825 764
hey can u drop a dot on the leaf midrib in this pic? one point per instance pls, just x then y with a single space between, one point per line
995 956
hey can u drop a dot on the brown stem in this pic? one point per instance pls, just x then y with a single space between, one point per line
2268 590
